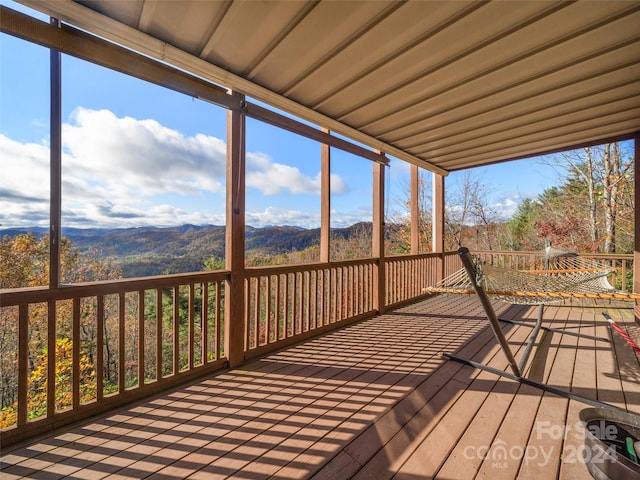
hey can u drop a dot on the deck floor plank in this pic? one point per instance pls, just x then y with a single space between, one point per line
376 436
541 459
373 400
478 449
492 454
627 360
583 383
441 443
434 397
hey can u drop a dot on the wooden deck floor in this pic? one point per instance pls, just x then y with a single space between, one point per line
375 400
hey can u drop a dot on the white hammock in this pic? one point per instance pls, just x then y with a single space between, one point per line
565 276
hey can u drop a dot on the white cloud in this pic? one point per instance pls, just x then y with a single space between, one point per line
24 183
120 172
280 216
273 178
508 203
125 153
345 218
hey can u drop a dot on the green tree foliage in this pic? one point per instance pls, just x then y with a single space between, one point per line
592 209
214 263
520 227
24 263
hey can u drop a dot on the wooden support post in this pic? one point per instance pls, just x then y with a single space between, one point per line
55 175
415 211
235 242
437 222
55 219
379 282
325 202
636 224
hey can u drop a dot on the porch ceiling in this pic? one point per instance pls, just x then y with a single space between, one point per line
446 84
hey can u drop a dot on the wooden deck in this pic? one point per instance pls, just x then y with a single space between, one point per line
374 400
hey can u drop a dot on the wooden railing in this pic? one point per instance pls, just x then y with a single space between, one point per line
620 278
108 343
407 275
85 348
287 303
452 263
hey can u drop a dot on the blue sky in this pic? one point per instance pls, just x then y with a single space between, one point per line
136 154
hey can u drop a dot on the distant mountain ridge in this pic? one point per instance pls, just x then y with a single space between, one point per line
156 250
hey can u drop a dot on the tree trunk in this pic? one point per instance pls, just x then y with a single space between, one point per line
590 182
611 177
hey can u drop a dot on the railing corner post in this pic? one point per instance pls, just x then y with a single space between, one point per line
235 242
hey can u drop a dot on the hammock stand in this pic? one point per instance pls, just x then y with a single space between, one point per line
540 287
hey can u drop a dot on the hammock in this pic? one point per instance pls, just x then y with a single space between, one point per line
566 276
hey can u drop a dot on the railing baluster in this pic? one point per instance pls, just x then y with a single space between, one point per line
191 327
320 297
159 336
284 299
52 315
296 310
75 356
116 319
218 320
256 313
176 329
277 308
121 340
23 363
140 346
204 322
307 301
268 310
100 348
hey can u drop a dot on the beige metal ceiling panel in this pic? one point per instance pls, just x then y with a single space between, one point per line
250 31
543 140
606 71
454 83
619 110
127 12
452 125
444 47
182 24
499 67
407 24
526 112
318 35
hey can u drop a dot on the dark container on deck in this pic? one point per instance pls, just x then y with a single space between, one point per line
606 451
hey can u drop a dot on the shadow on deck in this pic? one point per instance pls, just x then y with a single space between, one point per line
372 400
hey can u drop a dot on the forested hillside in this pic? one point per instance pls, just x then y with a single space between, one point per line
155 250
591 209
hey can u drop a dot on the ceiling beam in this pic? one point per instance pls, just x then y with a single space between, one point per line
105 27
82 45
291 125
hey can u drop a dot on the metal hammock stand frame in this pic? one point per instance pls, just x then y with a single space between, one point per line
473 271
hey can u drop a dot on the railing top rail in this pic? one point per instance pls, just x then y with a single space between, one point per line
18 296
415 256
303 267
613 256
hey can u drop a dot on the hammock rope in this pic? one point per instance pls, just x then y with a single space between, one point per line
567 276
564 275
